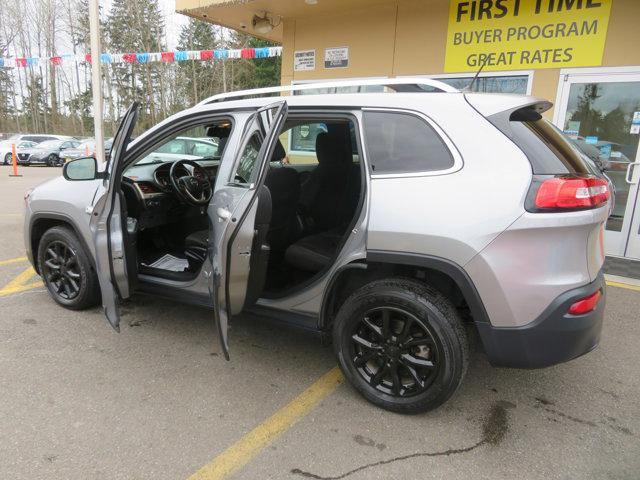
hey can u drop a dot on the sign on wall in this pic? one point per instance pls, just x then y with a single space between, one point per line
525 34
336 57
304 60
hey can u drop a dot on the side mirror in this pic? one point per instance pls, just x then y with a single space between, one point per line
81 169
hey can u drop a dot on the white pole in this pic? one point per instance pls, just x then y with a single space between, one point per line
96 78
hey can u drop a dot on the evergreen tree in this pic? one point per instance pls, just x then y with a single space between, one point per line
137 26
35 105
197 77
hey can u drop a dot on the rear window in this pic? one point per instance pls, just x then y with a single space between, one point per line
403 143
548 150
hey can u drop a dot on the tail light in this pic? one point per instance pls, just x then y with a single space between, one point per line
586 304
571 193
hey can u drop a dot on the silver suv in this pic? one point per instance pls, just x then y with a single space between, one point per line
398 223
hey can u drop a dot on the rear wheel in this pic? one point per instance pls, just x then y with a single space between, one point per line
66 270
401 344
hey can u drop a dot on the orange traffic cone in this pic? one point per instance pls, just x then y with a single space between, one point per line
14 162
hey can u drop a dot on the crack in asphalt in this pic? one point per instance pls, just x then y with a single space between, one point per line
494 430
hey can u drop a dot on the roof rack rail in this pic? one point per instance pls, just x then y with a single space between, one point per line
406 84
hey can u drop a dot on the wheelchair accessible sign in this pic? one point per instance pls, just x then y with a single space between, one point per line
525 34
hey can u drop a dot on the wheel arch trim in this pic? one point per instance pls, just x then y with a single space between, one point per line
62 218
451 269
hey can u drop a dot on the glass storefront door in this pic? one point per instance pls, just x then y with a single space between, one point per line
600 111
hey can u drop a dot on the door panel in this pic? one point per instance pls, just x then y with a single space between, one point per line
597 111
107 226
233 213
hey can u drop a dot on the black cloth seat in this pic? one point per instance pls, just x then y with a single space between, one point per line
198 239
324 196
314 252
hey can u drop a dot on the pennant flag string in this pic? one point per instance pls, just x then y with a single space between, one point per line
144 57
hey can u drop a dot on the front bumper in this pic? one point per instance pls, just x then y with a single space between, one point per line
554 337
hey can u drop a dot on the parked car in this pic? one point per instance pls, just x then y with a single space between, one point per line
85 146
6 152
422 216
45 153
5 145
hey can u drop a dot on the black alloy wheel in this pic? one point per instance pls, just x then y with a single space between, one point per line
395 352
67 270
8 160
401 344
52 160
61 270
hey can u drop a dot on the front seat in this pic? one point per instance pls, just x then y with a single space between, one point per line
284 185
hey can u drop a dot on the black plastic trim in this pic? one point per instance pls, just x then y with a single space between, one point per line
554 337
32 256
449 268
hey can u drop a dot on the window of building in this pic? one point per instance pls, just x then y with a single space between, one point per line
490 83
403 143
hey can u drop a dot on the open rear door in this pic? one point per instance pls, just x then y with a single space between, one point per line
233 215
107 225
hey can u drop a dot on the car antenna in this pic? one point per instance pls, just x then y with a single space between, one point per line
475 77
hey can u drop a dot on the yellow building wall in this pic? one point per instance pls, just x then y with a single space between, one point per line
408 38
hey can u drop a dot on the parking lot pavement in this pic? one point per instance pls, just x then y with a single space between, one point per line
158 400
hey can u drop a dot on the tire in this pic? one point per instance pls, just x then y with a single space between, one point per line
428 318
78 272
53 160
7 159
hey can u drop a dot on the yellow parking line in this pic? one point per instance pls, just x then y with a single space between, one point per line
19 284
623 285
12 260
241 452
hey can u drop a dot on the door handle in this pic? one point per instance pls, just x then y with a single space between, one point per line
629 177
223 213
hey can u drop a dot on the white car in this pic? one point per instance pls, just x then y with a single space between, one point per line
5 150
5 145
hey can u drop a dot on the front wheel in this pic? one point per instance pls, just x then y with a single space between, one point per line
66 270
53 160
401 344
8 160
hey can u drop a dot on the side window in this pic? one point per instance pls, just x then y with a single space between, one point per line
303 137
204 149
403 143
247 168
176 145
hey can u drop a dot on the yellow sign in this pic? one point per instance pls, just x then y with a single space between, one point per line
525 34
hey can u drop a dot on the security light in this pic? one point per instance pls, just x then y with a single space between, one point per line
264 24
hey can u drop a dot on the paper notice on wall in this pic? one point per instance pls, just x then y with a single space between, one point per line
635 123
304 60
336 57
591 140
573 129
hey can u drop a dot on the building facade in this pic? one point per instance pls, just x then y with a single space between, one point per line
580 54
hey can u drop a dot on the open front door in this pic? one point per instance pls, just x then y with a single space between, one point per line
236 202
107 225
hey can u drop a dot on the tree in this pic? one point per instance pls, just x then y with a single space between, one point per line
136 26
35 106
197 78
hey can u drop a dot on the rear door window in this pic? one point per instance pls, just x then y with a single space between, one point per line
403 143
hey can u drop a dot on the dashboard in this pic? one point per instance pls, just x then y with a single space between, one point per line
149 194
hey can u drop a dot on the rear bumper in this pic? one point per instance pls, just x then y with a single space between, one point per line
554 337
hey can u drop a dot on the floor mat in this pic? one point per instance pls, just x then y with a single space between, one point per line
171 263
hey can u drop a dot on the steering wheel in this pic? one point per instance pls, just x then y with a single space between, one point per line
193 187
